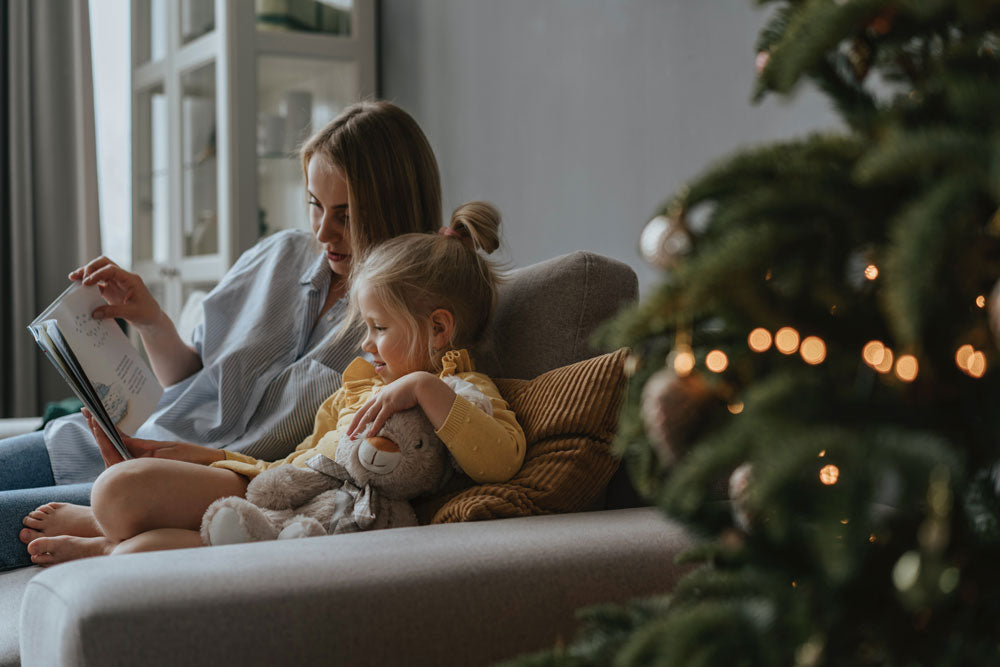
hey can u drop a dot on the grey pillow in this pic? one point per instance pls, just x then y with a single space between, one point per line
547 312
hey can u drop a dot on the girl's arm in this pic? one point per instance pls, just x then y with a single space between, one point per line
489 448
128 297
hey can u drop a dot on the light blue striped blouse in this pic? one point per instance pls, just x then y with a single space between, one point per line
268 364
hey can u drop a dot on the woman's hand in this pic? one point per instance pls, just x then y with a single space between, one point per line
139 448
428 391
128 297
126 293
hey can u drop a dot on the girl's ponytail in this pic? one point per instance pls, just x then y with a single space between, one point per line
478 222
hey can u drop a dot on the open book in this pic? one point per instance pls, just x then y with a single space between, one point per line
98 362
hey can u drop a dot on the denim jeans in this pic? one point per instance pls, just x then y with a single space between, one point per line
25 483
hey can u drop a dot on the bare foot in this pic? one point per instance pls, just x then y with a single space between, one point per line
52 550
53 519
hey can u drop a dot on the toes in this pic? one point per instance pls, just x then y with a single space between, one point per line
28 536
40 546
43 559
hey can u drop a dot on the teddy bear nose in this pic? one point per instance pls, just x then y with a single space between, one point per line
383 444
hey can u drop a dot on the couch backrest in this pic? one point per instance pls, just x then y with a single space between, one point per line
547 312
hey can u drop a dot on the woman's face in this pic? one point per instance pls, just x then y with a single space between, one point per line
329 214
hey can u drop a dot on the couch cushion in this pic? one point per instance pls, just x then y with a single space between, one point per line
547 312
569 416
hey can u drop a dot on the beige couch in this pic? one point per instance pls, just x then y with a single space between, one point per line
453 594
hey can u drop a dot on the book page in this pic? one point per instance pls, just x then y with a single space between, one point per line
120 377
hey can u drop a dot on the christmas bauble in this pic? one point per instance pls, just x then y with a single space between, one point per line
663 242
739 488
672 408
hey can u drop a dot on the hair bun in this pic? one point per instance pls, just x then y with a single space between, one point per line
480 222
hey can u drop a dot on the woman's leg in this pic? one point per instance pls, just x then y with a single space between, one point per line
24 462
16 504
144 495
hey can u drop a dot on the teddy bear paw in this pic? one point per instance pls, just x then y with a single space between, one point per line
225 527
300 527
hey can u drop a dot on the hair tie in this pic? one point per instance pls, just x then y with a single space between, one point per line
448 231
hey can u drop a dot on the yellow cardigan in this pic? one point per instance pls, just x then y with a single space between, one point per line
487 448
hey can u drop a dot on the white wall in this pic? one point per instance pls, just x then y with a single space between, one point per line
579 117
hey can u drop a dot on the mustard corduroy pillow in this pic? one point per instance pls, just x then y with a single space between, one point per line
569 416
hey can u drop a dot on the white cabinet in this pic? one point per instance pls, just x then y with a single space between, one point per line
223 91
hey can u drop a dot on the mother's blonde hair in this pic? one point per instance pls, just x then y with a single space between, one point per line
415 274
393 182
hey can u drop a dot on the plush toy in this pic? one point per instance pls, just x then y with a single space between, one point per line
366 487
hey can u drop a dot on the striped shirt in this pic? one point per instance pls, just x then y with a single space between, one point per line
268 360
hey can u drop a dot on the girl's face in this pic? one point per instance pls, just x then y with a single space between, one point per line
388 340
329 214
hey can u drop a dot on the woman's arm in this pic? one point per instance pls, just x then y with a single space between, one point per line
128 297
179 451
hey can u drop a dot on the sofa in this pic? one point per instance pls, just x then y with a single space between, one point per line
466 592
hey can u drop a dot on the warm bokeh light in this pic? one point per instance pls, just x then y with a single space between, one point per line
822 453
829 474
871 272
736 408
981 301
963 355
813 350
886 365
759 340
873 352
716 361
977 364
907 368
684 363
786 339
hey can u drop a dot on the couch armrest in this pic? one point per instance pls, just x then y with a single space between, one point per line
463 594
18 426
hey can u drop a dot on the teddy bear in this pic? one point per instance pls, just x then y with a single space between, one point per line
367 486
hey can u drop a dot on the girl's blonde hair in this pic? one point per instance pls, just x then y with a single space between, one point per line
392 177
415 274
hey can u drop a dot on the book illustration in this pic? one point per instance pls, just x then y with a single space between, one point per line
114 401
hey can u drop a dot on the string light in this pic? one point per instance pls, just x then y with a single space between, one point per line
981 301
871 272
822 453
735 408
716 361
786 339
977 364
886 365
829 474
963 355
684 363
873 352
813 350
759 340
907 368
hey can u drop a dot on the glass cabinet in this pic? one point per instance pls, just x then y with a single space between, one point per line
223 93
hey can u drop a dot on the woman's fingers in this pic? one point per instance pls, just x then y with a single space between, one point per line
109 453
89 267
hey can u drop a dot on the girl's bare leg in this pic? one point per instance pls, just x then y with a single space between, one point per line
159 540
145 495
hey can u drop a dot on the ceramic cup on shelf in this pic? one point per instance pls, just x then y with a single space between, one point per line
270 134
296 106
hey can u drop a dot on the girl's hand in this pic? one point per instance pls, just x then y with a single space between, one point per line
139 448
126 293
399 395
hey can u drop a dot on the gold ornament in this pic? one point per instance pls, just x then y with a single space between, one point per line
663 241
672 408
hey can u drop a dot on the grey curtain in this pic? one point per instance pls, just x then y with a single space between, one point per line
49 222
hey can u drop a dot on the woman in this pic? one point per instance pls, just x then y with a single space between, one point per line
267 353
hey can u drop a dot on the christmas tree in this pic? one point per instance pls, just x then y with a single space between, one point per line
815 392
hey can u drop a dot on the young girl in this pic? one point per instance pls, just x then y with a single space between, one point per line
422 298
267 353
